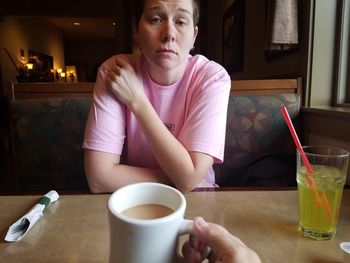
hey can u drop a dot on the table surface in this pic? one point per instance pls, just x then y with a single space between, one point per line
75 228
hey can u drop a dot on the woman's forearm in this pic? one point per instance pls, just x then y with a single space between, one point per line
178 164
105 174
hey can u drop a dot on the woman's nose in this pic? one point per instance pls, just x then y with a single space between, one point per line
168 32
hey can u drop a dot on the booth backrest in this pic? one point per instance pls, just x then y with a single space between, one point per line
259 150
47 135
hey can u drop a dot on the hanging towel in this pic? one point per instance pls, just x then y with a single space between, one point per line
282 24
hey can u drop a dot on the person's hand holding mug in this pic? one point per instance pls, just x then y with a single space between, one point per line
225 247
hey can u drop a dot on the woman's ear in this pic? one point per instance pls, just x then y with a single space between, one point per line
195 33
135 33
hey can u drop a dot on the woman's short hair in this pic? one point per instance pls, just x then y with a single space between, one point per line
138 6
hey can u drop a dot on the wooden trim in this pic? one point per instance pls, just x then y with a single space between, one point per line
265 86
327 122
85 89
51 90
244 188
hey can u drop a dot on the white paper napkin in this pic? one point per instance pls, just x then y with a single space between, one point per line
21 227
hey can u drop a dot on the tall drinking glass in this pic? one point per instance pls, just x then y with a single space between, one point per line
320 192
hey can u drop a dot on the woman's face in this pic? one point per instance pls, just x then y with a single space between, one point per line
165 32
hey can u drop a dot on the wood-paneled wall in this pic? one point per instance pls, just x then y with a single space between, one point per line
50 90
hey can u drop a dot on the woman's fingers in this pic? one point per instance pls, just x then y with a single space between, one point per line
198 245
225 247
191 254
123 81
122 61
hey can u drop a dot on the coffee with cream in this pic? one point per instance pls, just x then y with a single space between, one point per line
148 211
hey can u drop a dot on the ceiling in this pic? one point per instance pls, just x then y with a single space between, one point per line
95 17
90 27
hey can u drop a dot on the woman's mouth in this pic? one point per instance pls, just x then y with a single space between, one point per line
166 51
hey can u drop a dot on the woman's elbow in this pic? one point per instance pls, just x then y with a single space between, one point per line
95 172
186 187
95 182
94 186
189 184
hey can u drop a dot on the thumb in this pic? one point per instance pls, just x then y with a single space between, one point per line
216 236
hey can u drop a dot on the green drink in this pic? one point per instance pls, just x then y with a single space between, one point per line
320 192
317 217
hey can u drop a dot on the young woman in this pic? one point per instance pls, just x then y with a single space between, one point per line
165 108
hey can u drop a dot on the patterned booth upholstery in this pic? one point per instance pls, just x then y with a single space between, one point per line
259 150
47 136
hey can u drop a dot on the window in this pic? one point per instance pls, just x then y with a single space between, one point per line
342 72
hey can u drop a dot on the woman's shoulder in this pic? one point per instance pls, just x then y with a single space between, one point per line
133 59
205 67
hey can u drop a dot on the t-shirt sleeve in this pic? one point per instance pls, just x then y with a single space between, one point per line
105 127
205 126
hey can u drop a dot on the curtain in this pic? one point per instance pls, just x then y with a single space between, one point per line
281 24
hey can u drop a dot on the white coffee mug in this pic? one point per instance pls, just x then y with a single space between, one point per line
134 240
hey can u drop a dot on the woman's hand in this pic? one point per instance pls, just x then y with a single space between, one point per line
123 81
225 248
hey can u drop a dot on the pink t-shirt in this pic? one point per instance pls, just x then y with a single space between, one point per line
194 110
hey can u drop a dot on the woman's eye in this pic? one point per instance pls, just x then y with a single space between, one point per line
155 20
181 22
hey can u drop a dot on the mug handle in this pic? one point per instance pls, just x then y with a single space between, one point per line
187 228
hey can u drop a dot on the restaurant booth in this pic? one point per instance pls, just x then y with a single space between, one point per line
48 67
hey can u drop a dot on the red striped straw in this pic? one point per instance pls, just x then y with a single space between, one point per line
316 195
296 139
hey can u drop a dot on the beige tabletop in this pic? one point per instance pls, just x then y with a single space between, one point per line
75 228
